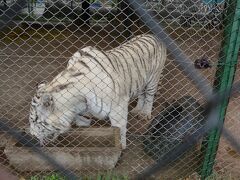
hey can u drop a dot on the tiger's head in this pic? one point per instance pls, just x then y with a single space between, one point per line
46 120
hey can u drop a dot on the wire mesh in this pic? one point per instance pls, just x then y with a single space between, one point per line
40 41
226 162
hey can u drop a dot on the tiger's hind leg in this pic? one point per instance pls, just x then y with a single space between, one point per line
138 109
145 102
147 107
150 91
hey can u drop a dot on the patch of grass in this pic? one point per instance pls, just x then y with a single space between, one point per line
49 177
99 176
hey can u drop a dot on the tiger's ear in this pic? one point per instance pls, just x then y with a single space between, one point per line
41 84
47 100
75 57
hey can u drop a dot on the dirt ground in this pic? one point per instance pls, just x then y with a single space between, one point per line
31 55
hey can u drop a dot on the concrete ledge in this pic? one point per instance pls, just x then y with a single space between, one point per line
80 149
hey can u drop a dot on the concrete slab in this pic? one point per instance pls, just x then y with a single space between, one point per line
83 148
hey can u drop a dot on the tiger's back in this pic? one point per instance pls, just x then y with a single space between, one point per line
138 62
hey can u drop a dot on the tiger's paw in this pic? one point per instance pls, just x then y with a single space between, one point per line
82 121
140 114
136 111
144 116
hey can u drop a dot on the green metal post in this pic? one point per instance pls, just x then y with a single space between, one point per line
223 78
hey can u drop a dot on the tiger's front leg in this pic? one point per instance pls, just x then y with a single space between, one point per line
118 118
82 121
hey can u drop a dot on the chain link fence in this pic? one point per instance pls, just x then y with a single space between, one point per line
226 163
36 47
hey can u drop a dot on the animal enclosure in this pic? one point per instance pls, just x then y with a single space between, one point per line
38 43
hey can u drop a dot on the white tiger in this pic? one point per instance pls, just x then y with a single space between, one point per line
100 83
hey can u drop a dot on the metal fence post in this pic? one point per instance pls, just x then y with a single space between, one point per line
224 77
